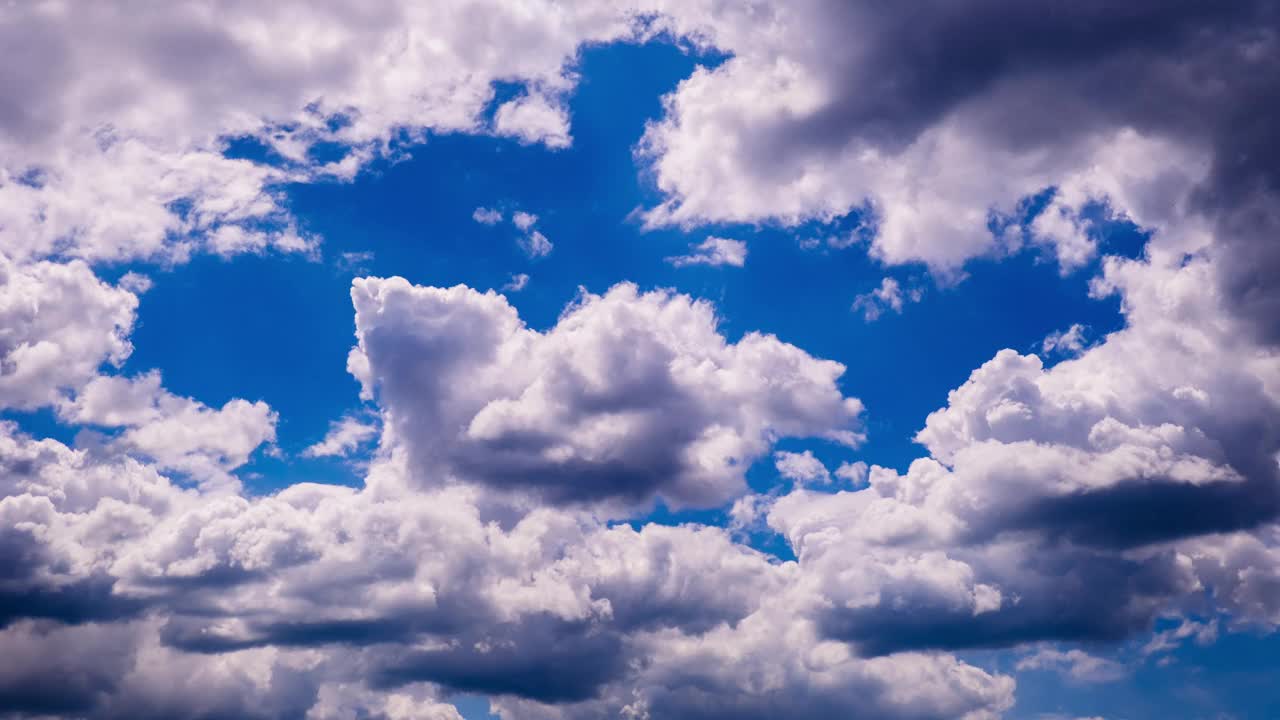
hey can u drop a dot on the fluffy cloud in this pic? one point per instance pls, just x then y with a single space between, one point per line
176 433
60 324
487 216
631 394
1074 503
333 601
533 119
820 112
801 467
114 136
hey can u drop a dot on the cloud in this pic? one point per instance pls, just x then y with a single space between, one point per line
116 148
714 251
61 323
323 597
344 436
802 467
355 263
487 216
889 296
1137 478
854 473
516 283
1066 342
535 244
531 241
523 220
629 395
176 433
824 115
1076 503
1076 664
533 119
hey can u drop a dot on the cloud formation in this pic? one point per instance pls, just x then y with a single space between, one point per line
495 545
630 395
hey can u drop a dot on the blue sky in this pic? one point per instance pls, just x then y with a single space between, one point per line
1045 483
415 218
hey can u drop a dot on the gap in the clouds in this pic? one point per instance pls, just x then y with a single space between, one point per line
1231 677
279 328
473 707
41 423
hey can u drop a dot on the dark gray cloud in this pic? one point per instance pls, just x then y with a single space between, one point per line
541 658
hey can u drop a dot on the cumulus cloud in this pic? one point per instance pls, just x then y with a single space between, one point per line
325 598
854 473
802 467
114 139
631 394
826 115
1135 479
1138 480
533 119
60 323
177 433
713 251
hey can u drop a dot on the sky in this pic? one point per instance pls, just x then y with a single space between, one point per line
640 360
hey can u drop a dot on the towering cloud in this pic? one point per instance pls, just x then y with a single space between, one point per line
630 395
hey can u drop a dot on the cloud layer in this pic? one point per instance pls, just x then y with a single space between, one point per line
497 543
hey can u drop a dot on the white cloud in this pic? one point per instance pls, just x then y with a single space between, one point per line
523 220
713 251
1066 342
176 433
1028 461
344 436
854 473
487 216
629 394
889 296
58 324
1076 664
533 119
517 283
805 122
116 149
802 468
535 244
477 556
531 241
347 590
